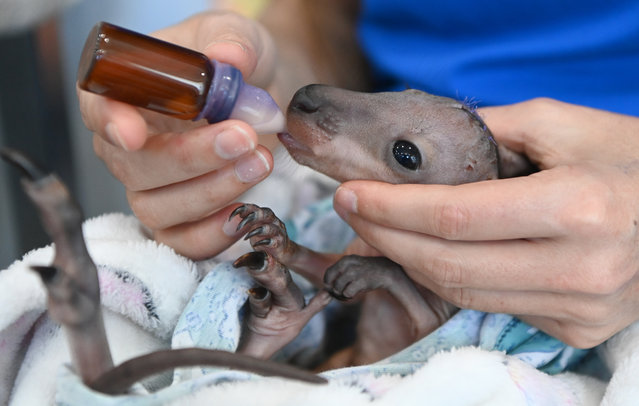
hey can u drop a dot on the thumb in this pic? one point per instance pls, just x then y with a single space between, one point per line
524 128
239 41
114 122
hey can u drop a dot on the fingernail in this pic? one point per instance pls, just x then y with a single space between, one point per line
345 199
112 132
222 42
233 143
252 168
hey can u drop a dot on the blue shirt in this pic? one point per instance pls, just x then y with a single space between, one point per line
498 51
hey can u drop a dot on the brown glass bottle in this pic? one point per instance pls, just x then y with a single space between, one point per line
144 71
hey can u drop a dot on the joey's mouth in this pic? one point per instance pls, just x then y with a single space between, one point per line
292 144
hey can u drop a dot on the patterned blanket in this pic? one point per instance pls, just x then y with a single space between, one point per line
155 299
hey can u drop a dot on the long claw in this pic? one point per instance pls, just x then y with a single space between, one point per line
259 293
47 273
260 301
338 296
238 210
246 220
266 241
71 279
27 166
255 232
253 260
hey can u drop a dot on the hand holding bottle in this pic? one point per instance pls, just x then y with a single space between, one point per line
180 175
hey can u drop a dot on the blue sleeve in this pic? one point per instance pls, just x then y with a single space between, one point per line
498 52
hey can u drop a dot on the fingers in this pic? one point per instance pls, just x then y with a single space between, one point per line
199 239
582 321
199 197
576 334
176 157
178 174
222 36
552 133
534 127
569 230
432 261
178 182
579 321
230 38
555 265
559 202
492 210
244 44
115 123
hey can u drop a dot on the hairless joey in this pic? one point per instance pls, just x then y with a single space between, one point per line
397 137
73 291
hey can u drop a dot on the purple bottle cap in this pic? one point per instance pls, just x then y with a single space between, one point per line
230 98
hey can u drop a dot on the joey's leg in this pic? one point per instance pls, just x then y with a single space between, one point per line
355 274
71 280
267 233
277 309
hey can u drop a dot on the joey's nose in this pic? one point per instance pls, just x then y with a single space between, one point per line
306 100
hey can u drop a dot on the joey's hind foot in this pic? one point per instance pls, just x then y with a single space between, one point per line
278 311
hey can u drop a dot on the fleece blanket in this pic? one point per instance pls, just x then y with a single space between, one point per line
155 299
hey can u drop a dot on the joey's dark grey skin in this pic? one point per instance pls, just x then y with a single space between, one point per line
351 135
396 137
73 301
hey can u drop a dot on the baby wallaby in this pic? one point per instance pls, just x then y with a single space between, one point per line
396 137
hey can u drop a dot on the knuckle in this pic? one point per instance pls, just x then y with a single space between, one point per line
143 210
544 104
182 153
117 163
451 221
593 313
446 270
582 337
227 25
607 282
460 297
573 332
122 171
534 130
546 107
601 275
588 207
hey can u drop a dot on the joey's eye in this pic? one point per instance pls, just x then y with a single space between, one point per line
407 154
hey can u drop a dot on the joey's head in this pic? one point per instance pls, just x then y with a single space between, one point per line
396 137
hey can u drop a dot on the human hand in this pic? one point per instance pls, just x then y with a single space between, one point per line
181 176
558 248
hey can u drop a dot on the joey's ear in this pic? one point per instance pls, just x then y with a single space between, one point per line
512 164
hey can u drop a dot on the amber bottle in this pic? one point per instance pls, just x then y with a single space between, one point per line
146 72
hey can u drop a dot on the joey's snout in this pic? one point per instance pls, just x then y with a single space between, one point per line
398 137
323 111
306 100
